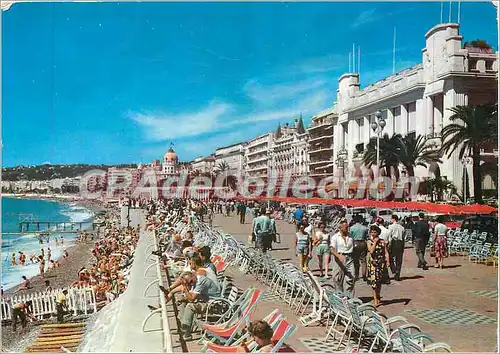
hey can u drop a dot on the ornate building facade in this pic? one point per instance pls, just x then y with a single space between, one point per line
417 101
289 152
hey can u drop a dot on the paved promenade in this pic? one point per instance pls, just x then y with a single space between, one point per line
456 305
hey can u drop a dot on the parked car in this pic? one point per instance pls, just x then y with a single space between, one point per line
482 223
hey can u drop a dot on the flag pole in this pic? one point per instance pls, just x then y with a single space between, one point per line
394 53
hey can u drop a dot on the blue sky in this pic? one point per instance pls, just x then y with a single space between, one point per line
118 82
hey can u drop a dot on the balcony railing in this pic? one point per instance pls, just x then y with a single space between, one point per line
319 162
250 153
312 139
322 148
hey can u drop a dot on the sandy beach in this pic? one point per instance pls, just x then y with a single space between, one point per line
80 255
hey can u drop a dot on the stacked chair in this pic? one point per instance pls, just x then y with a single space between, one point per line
346 319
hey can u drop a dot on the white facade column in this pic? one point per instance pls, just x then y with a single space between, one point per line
337 143
429 115
452 167
353 132
438 115
389 128
341 135
366 127
404 119
421 123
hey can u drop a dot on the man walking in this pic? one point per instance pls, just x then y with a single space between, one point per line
359 234
396 246
421 235
242 210
263 231
341 246
298 214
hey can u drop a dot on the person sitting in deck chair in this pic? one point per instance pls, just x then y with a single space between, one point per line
196 300
262 334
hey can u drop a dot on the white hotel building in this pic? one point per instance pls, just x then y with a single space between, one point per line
257 156
413 101
233 156
289 154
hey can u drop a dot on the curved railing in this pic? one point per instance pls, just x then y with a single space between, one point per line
165 328
167 336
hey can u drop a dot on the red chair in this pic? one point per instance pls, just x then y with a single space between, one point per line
225 333
282 330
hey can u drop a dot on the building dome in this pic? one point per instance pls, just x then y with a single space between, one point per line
171 156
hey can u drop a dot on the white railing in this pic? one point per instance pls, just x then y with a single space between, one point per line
165 328
167 336
80 300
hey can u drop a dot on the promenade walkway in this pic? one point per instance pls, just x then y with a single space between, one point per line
456 305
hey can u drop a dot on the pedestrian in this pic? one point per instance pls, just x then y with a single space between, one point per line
303 247
396 246
42 266
242 210
322 243
61 305
421 235
263 231
298 214
341 246
440 245
359 234
20 312
274 233
378 263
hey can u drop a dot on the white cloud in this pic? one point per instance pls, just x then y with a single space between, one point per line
268 95
323 64
162 126
363 18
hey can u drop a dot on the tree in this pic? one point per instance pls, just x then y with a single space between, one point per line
437 187
223 168
195 173
390 152
472 128
414 153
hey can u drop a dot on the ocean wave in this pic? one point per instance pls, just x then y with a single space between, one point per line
77 213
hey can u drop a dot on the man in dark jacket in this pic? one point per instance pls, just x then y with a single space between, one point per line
421 235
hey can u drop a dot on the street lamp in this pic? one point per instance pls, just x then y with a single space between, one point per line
378 126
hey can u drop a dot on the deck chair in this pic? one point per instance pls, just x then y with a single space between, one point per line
318 296
282 331
273 320
225 333
414 343
379 326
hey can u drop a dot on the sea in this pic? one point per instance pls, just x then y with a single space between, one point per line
15 210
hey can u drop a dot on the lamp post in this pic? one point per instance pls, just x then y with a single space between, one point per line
340 162
465 161
378 126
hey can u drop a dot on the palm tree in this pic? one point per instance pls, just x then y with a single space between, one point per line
195 173
390 151
414 153
223 168
472 128
438 186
